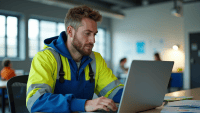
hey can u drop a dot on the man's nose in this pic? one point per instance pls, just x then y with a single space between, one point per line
92 39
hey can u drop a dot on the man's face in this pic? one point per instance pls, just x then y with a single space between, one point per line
84 37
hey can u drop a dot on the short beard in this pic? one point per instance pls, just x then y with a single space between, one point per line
77 45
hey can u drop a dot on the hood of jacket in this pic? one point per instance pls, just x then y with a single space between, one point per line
58 43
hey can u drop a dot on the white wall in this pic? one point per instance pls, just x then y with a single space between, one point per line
192 24
156 27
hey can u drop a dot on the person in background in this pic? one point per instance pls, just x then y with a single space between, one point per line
121 68
157 57
7 72
72 90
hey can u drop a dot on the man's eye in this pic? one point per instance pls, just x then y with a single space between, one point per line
87 34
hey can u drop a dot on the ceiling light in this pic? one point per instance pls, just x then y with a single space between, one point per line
177 10
175 47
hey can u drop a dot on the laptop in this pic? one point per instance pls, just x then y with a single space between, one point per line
145 86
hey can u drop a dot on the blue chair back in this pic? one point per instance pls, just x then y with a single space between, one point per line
177 80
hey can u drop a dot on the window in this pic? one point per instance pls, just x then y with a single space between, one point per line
39 30
100 43
9 36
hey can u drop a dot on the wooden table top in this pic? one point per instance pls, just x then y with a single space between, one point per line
191 92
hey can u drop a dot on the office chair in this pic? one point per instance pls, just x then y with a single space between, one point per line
16 88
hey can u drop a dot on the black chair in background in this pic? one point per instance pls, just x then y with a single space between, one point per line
16 88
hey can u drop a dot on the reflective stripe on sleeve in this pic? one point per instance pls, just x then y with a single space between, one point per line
42 88
110 86
114 92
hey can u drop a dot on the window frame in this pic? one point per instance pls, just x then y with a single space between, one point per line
57 21
18 35
105 42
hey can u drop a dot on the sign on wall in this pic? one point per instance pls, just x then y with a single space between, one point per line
140 47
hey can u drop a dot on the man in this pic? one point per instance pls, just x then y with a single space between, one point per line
48 92
7 73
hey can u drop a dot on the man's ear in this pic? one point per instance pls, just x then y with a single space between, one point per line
70 31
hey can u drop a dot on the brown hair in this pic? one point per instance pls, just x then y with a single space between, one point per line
158 56
75 15
122 60
6 63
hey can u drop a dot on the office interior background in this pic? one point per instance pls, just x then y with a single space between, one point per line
132 29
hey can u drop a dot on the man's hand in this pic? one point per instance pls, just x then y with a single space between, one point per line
100 103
